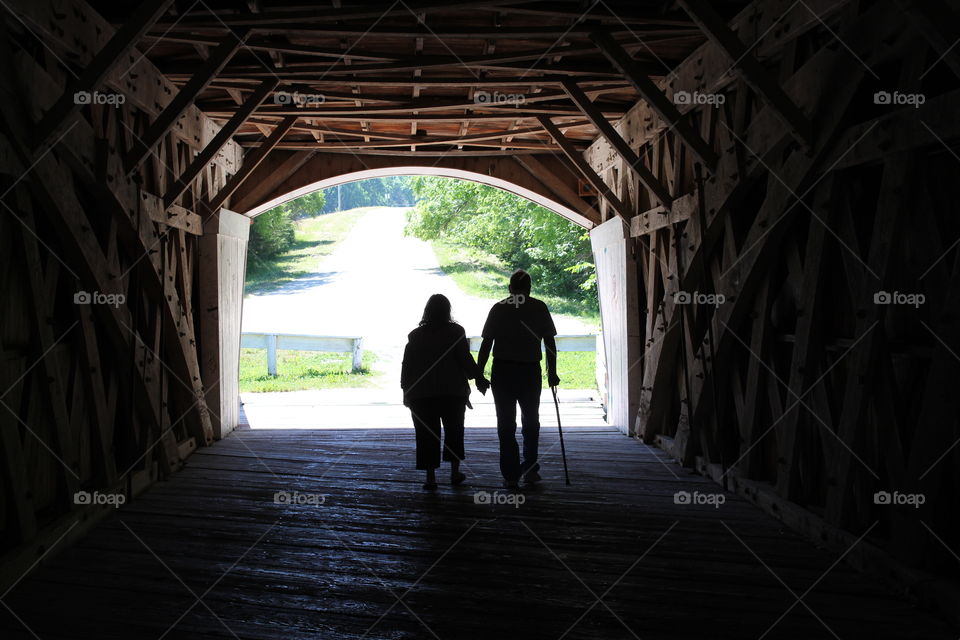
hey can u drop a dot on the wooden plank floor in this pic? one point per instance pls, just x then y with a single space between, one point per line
360 408
209 554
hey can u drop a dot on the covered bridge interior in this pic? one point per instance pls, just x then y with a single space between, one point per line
770 189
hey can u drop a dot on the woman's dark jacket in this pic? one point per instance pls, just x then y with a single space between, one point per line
437 362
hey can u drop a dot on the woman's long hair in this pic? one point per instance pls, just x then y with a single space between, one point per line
437 310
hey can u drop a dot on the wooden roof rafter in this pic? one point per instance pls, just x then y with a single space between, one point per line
406 78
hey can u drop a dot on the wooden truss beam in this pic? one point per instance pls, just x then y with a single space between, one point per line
552 34
560 187
892 203
435 82
266 183
281 17
213 147
96 71
584 167
935 23
404 116
659 102
659 218
169 116
504 60
250 162
650 181
753 73
338 69
419 106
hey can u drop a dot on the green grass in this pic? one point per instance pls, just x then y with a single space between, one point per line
577 369
483 275
316 238
298 370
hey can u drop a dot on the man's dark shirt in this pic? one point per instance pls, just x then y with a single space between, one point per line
517 328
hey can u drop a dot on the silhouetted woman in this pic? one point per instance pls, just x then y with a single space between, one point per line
436 366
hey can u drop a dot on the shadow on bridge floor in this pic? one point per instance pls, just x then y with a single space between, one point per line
355 548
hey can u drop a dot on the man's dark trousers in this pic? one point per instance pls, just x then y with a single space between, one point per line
517 383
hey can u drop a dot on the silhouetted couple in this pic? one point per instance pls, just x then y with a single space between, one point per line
437 366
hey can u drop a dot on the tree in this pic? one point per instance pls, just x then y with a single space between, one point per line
518 231
307 206
272 233
392 191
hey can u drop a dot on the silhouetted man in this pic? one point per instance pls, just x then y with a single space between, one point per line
515 327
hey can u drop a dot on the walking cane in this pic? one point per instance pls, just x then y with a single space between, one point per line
563 450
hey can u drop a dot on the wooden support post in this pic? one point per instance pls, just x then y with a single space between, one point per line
223 259
617 291
892 204
41 284
753 72
650 181
357 355
250 162
214 146
272 354
584 167
133 29
659 102
794 437
169 116
22 511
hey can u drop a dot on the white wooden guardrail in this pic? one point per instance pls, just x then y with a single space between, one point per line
273 341
586 342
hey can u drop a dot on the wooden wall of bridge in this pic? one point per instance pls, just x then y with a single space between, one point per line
782 378
797 200
96 397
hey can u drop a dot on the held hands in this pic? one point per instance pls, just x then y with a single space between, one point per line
553 379
482 385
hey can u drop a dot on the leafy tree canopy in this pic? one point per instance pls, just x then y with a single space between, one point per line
521 233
